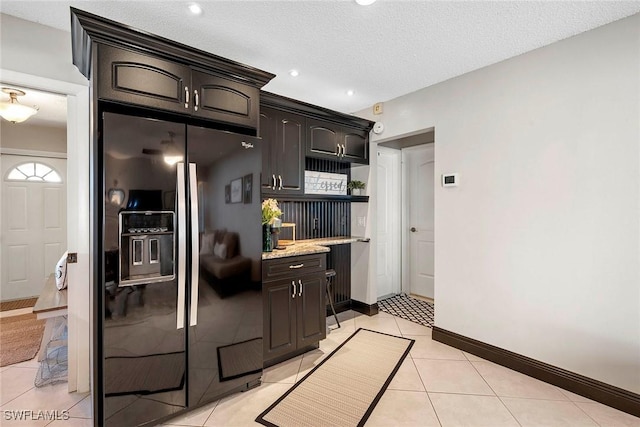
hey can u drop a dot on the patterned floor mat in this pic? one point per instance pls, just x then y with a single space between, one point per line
412 309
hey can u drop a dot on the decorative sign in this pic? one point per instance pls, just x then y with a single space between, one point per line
325 183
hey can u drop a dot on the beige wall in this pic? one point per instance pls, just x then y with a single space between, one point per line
538 249
35 49
24 136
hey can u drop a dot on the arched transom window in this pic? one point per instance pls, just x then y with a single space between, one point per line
33 171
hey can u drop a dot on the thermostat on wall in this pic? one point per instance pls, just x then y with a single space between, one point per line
450 180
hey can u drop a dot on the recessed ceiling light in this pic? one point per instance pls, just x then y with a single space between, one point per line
350 92
294 73
365 2
195 9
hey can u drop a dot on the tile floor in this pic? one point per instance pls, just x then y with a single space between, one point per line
436 386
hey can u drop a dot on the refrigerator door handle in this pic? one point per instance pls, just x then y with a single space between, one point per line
195 258
182 244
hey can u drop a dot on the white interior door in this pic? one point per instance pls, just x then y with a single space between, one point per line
418 224
388 215
33 223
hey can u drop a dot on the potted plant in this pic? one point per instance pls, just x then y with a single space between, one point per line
270 221
355 187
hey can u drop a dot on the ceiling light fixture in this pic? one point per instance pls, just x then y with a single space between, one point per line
365 2
294 73
12 110
195 9
350 92
172 153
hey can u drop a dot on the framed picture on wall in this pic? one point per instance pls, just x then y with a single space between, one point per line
227 193
236 191
247 185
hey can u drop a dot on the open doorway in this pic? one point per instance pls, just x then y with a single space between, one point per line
405 226
34 187
33 227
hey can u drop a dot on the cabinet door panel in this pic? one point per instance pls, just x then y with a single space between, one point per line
291 153
356 146
143 80
224 100
322 139
268 124
312 325
279 319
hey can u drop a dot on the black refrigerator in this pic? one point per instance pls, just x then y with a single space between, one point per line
180 309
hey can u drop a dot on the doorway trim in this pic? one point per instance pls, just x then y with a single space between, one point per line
79 225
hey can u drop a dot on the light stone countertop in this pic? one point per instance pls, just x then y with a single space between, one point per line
311 246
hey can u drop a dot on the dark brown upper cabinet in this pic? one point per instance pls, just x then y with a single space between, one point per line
333 141
221 99
139 69
282 153
144 80
323 139
328 134
356 145
139 79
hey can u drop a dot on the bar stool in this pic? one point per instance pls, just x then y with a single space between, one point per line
329 274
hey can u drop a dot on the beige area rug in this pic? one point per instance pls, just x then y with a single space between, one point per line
17 304
20 338
344 388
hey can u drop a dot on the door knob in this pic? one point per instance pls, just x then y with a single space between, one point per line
413 229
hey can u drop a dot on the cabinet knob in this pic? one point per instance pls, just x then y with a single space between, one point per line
413 229
186 97
338 150
293 283
273 180
296 266
300 283
343 150
280 178
196 100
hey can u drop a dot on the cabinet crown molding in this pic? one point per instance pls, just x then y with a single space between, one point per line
268 99
87 28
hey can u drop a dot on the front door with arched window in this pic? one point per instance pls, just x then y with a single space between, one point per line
33 223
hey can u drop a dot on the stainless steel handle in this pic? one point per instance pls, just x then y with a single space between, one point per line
300 293
196 100
413 229
338 150
280 178
343 150
182 245
273 179
186 97
296 266
195 259
293 295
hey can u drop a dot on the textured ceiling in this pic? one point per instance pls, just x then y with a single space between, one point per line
380 51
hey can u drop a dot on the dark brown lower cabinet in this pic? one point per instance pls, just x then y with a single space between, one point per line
293 305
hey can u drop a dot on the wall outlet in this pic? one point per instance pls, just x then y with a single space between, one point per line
362 221
377 108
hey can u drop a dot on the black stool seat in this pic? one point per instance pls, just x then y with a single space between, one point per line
329 274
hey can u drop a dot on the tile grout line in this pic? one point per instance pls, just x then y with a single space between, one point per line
421 381
583 411
426 392
211 413
494 392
